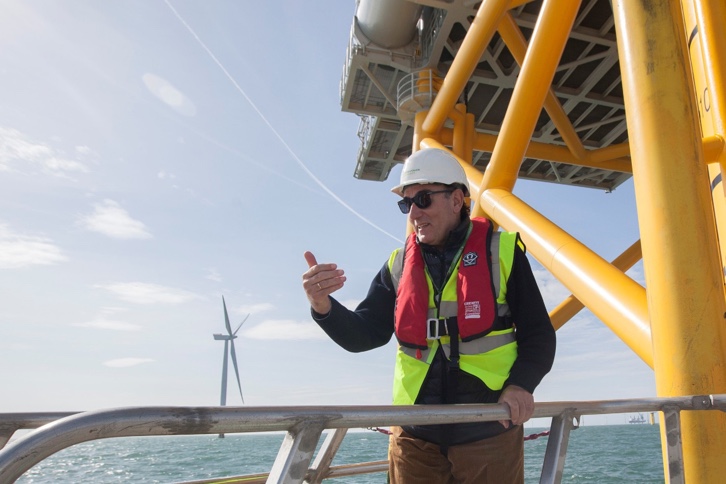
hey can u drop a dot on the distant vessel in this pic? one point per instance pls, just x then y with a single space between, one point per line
637 419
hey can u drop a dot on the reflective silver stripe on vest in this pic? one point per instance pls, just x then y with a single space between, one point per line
496 273
447 309
475 347
424 354
482 345
397 268
502 308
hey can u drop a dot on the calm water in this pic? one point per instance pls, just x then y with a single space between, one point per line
596 454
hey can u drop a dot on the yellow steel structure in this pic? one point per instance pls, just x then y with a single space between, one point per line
707 51
671 184
673 65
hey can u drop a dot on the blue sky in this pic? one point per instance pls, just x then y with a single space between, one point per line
157 155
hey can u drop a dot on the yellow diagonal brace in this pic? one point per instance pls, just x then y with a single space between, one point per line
605 160
568 308
517 44
548 41
472 48
612 296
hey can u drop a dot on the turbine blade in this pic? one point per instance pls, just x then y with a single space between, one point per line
226 318
240 324
236 370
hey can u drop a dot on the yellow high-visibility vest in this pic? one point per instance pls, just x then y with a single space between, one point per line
489 358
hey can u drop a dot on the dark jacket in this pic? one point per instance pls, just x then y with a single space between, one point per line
372 324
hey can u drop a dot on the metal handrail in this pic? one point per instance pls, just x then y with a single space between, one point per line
304 426
11 423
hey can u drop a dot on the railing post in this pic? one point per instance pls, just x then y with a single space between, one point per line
296 451
672 444
5 434
325 456
554 459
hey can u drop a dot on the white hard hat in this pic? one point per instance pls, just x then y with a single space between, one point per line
431 165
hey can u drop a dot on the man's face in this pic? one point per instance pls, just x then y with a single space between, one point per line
433 224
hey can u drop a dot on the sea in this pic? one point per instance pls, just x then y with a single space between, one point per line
596 454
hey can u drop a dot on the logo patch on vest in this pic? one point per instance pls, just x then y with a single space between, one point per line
472 310
469 259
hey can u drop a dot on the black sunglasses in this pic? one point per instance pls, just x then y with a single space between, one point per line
422 200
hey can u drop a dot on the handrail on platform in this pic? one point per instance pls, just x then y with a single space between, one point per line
305 424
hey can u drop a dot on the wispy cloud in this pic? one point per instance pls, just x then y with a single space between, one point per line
213 275
284 329
18 153
145 293
553 292
101 323
107 320
169 95
109 218
162 175
255 308
126 362
19 250
84 150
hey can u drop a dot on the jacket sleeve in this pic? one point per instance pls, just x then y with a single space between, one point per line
536 341
370 325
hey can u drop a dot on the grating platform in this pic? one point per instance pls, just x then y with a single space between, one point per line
587 85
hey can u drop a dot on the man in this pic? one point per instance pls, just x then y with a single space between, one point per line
470 323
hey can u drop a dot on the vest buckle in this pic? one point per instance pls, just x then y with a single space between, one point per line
436 328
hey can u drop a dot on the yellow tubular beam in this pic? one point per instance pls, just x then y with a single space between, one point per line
548 40
517 44
710 15
612 296
474 44
680 252
613 157
571 305
707 49
713 148
418 133
559 154
610 153
458 116
470 136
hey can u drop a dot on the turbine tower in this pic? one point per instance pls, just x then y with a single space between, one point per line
229 343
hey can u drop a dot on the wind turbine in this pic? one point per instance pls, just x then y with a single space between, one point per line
229 343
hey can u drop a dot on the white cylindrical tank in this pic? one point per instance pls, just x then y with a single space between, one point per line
388 23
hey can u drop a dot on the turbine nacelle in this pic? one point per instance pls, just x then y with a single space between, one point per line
224 336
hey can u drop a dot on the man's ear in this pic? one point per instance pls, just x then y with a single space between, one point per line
458 197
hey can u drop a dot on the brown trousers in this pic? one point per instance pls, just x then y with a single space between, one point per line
497 460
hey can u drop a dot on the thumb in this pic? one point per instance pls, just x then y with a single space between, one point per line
310 259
